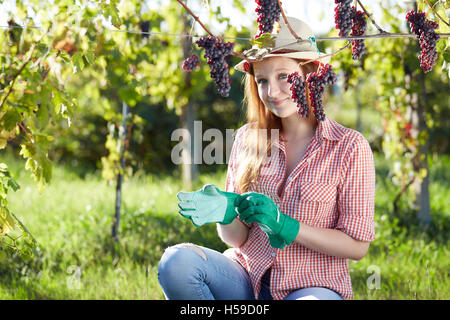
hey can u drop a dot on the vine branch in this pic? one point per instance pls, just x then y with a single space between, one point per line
402 191
377 36
27 134
24 64
437 14
370 17
195 17
287 22
205 28
326 55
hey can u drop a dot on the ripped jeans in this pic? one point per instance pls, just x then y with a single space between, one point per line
190 272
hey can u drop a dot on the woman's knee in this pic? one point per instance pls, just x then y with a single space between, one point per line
180 261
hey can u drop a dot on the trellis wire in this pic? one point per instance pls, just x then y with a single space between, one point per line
363 37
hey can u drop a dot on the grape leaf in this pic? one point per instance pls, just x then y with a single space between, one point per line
7 222
10 119
266 40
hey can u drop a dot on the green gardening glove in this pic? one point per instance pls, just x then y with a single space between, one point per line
256 207
208 205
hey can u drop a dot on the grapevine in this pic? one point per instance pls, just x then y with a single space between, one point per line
424 30
359 25
215 52
298 94
317 81
268 13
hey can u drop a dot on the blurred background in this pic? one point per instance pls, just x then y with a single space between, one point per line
91 93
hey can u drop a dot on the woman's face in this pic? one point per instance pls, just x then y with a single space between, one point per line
273 89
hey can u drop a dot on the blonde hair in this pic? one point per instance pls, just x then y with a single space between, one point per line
257 143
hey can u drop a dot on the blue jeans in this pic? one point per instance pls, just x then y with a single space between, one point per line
190 272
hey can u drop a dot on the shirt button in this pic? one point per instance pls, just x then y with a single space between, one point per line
274 254
308 160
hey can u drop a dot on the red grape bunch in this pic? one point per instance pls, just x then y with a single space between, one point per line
359 25
343 17
268 12
215 52
298 93
317 81
191 63
424 29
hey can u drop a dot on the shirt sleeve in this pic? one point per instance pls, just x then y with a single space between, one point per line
356 202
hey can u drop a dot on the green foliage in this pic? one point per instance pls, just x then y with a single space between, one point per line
401 86
147 75
62 87
72 220
11 228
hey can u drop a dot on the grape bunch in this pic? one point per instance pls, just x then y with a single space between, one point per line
359 25
191 63
268 12
317 81
215 52
343 17
424 30
298 93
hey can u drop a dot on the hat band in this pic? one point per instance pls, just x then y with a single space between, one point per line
283 51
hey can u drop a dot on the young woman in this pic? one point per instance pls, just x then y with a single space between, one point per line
304 197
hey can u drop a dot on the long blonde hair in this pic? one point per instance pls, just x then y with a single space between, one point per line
257 143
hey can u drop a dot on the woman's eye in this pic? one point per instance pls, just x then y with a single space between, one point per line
261 81
283 76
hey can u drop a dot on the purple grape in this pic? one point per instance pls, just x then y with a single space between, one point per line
317 81
268 12
215 52
359 25
298 94
424 30
343 17
191 63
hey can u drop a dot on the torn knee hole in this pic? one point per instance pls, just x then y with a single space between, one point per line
194 248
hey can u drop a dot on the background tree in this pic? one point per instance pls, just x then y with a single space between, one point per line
62 86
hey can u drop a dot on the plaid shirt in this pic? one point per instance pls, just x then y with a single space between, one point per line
332 187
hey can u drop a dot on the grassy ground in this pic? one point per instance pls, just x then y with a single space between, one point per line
72 222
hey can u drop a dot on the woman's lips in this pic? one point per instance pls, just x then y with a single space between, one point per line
277 102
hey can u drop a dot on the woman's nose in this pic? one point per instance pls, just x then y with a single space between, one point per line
273 90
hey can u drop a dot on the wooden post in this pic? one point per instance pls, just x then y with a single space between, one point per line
122 137
416 112
189 167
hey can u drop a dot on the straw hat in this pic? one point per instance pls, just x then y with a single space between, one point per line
285 45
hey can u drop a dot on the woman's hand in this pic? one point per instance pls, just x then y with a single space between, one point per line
256 207
207 205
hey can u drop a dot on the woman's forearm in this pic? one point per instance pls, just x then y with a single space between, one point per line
331 242
234 234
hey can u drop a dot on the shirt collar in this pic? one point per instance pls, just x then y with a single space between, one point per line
330 130
280 143
327 129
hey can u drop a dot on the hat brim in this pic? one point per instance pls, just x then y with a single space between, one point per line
305 55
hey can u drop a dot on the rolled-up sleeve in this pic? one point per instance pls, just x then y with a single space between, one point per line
356 202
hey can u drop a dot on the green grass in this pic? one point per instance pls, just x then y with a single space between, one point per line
72 222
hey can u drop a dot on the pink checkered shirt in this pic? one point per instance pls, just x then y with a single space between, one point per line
332 187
